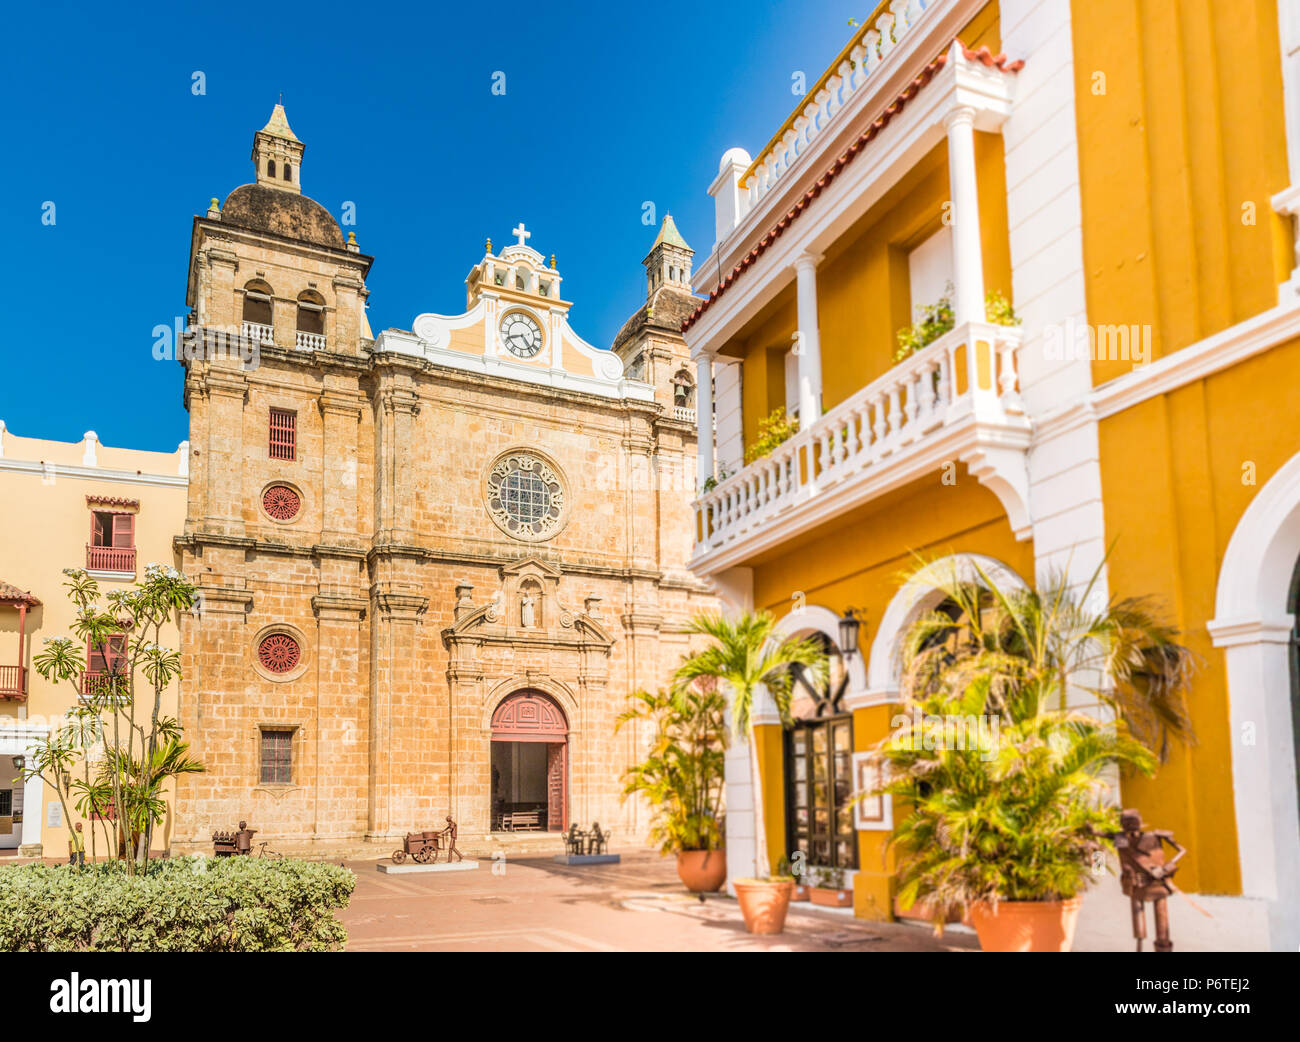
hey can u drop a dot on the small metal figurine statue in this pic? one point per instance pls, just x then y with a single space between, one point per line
1145 875
450 833
244 839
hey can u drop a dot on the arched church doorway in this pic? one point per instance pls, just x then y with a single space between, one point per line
530 764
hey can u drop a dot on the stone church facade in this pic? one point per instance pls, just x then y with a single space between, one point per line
432 563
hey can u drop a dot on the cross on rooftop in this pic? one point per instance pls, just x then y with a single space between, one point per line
520 233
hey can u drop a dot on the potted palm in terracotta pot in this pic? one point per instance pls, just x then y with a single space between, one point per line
682 777
1004 790
746 655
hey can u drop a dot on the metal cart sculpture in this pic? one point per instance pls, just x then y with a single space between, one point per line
231 844
423 847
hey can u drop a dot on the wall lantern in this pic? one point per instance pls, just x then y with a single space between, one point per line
20 762
849 633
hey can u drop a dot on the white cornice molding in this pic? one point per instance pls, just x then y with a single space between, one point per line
400 342
1197 361
124 477
1227 633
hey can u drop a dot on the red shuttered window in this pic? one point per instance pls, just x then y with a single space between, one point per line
116 530
284 434
277 757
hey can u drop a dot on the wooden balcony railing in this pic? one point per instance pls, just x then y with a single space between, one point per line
94 683
110 558
13 682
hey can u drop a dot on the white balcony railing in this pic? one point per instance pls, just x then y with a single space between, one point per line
875 41
258 333
681 412
969 375
310 341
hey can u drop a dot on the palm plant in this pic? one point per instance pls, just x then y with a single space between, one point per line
1036 647
119 708
682 775
745 655
1016 810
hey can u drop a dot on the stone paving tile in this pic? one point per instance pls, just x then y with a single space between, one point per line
639 905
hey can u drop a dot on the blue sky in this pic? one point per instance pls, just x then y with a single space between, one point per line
607 106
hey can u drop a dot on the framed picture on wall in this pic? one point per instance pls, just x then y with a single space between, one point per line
871 813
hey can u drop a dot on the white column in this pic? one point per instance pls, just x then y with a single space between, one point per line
967 258
704 414
808 346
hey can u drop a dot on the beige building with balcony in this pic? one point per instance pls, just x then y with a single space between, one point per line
72 505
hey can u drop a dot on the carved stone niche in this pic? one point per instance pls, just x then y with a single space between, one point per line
529 596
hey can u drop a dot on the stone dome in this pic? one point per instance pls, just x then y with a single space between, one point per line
286 214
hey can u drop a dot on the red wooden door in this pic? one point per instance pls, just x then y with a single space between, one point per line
556 771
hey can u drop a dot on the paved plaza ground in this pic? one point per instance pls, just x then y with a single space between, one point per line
534 904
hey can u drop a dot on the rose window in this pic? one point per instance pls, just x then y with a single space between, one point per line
278 653
281 502
525 496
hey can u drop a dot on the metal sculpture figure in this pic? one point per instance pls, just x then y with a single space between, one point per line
1145 875
449 835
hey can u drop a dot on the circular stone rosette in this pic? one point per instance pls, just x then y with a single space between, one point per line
281 503
279 653
526 495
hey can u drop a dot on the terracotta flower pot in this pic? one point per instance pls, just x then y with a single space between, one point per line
702 871
831 898
763 903
800 893
1026 926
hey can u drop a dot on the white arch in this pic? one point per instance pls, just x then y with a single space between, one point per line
918 594
1253 627
825 621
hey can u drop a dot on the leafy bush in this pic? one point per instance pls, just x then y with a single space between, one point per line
772 431
236 904
934 320
1001 783
682 775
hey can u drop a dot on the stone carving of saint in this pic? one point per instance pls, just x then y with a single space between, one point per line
528 611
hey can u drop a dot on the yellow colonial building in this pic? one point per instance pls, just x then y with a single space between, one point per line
1125 176
72 505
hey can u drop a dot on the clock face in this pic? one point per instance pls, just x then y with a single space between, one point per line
521 334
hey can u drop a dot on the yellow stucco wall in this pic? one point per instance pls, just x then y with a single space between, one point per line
1181 144
49 534
1178 471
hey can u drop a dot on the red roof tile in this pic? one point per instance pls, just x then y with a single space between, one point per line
12 595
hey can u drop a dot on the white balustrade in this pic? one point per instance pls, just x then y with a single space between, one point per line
258 333
911 401
310 341
876 43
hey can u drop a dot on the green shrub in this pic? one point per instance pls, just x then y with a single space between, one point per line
934 320
188 904
772 431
